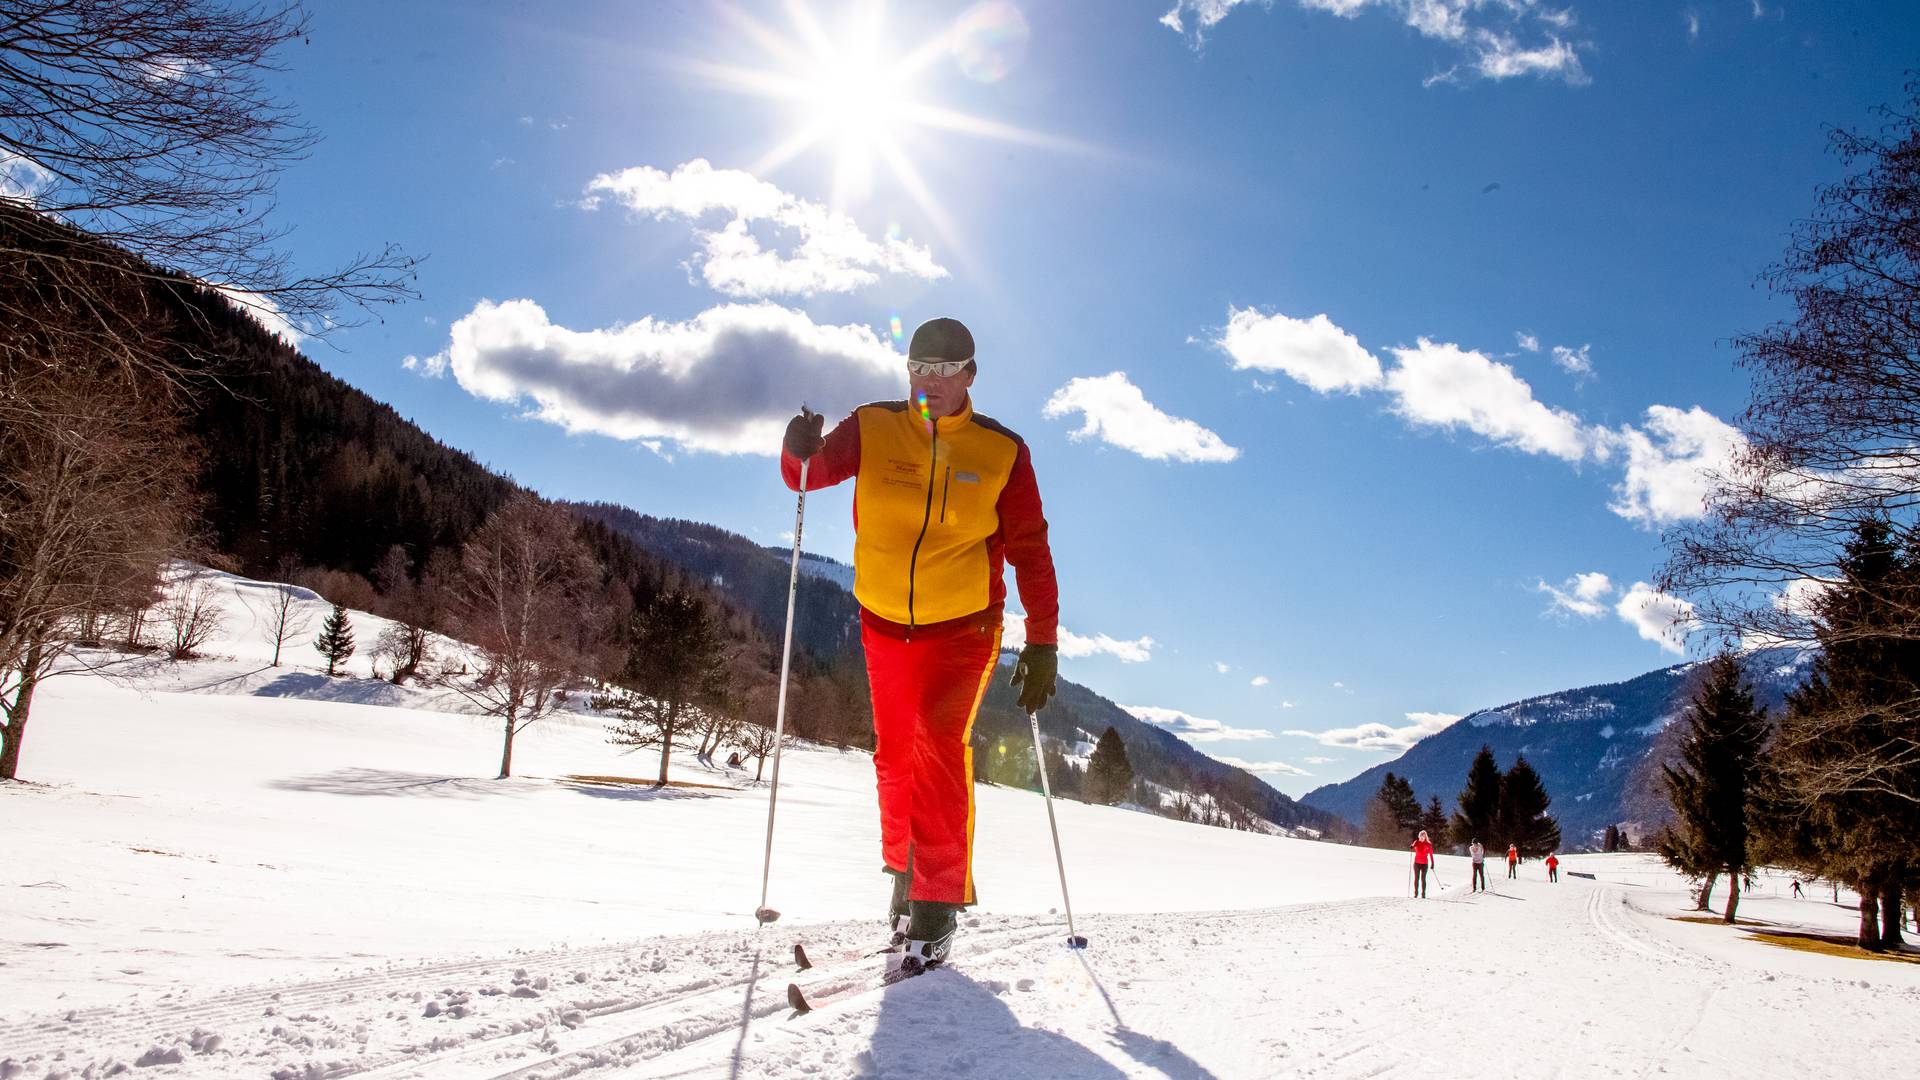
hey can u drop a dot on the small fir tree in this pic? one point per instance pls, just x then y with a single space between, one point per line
1434 821
1710 787
336 639
1479 802
1523 816
676 668
1109 773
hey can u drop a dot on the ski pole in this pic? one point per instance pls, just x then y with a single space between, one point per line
764 913
1074 940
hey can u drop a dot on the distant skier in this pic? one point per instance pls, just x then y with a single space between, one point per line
944 498
1479 855
1796 888
1513 861
1553 867
1422 862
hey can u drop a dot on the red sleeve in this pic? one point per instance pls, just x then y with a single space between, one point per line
838 459
1023 526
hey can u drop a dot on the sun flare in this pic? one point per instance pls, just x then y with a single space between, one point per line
855 94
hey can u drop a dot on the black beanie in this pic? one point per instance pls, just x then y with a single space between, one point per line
941 339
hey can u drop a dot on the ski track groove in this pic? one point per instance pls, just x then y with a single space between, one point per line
138 1029
605 1054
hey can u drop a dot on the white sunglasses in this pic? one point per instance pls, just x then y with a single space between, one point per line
943 368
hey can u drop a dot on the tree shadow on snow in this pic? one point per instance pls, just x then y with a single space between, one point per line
945 1024
645 791
387 782
314 686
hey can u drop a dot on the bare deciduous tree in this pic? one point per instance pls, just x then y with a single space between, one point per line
94 496
283 619
528 598
191 613
149 126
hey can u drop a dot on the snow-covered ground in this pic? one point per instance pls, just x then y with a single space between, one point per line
225 869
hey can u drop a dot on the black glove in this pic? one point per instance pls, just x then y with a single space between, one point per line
803 434
1038 667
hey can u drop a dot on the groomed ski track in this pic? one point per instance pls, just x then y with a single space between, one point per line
1529 980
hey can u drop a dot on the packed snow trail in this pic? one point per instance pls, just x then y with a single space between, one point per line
1531 980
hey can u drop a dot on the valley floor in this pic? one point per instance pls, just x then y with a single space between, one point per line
228 870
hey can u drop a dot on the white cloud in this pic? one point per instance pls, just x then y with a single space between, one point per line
1261 680
1380 736
430 367
1579 595
1271 768
1313 351
1671 464
1693 26
1287 705
725 381
1118 413
1013 635
1576 362
23 179
1658 617
1220 667
1526 341
265 311
1192 728
1319 760
1487 30
833 255
1443 385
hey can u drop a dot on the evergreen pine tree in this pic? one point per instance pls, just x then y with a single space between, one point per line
1109 773
1478 816
1434 821
1709 788
336 639
1523 817
1838 791
1611 842
676 665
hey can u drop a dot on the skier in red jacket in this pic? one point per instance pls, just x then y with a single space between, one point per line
1553 868
1513 861
1422 862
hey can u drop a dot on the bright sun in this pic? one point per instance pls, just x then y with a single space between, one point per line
854 93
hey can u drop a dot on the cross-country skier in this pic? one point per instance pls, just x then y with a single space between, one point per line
1479 854
1513 861
1422 862
1796 888
1553 867
943 498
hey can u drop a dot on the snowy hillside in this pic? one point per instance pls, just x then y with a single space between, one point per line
226 869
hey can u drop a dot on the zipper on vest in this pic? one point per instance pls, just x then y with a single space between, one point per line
946 486
913 563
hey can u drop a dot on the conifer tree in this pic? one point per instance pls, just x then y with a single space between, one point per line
1109 773
1434 821
1841 797
1479 812
336 639
1709 788
676 665
1523 817
1611 842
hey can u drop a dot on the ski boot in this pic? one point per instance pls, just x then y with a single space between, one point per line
929 937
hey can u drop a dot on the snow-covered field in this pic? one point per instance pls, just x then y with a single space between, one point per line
225 869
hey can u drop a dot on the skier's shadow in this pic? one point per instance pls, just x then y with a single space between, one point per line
945 1024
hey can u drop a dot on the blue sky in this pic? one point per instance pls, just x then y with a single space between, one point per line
1364 346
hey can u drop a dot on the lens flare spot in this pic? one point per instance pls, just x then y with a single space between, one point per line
899 334
990 40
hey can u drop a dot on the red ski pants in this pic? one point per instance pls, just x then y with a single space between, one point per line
926 692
